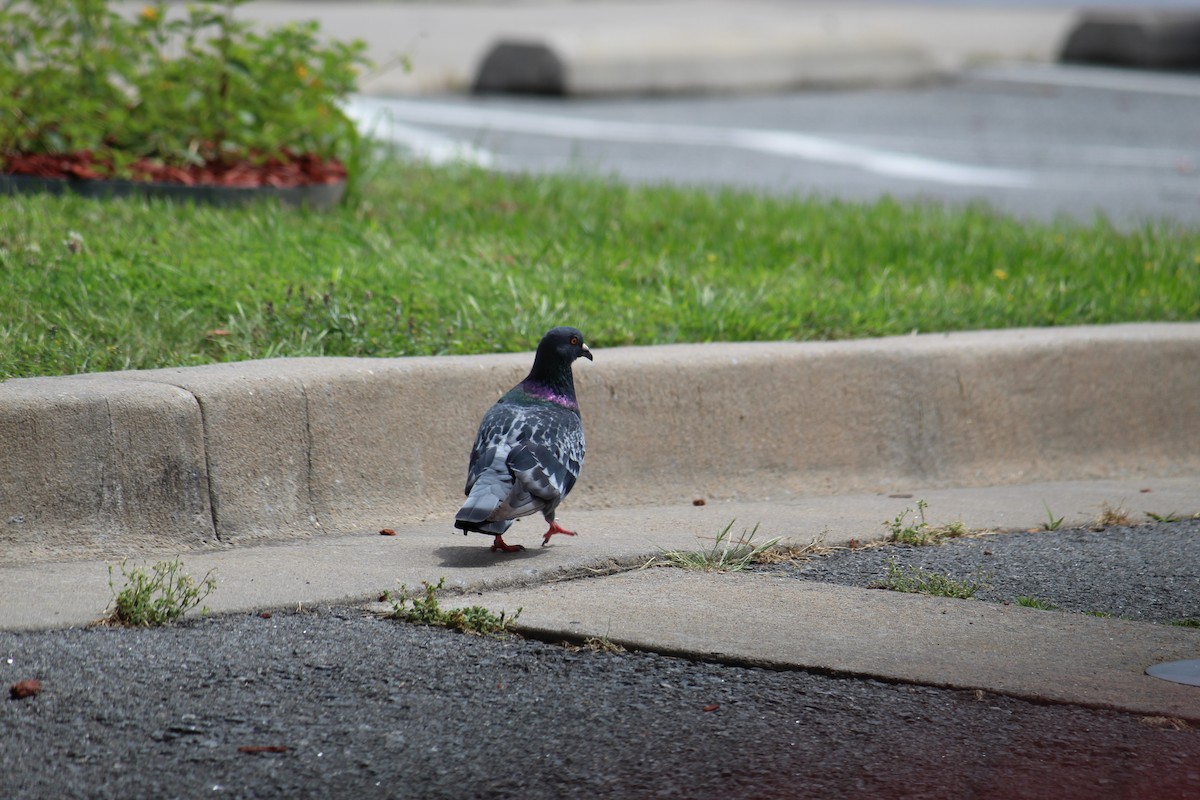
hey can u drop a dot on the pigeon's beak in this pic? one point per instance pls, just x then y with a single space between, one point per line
583 351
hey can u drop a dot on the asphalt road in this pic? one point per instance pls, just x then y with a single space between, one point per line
338 703
1037 142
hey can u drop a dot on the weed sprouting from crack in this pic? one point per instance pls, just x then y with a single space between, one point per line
424 608
1112 516
726 554
1052 523
158 596
918 580
919 532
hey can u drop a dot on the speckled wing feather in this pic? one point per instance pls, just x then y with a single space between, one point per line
527 457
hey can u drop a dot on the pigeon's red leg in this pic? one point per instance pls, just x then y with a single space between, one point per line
507 548
555 528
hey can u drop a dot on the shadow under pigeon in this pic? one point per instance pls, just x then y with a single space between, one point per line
474 555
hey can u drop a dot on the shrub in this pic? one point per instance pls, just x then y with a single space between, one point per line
177 89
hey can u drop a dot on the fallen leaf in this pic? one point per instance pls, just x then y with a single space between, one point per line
712 706
265 614
387 532
1146 491
699 501
23 689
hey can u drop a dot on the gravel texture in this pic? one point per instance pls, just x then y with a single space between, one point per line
358 706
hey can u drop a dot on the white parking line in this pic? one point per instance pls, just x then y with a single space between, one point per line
435 148
787 144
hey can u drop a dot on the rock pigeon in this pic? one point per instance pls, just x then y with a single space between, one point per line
529 448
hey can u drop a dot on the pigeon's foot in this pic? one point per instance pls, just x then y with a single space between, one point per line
556 528
507 548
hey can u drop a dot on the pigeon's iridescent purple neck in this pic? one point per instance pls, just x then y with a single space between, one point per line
543 392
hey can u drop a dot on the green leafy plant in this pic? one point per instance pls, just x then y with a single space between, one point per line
919 532
1052 523
726 554
158 596
1033 602
1168 517
1186 622
425 609
172 87
918 580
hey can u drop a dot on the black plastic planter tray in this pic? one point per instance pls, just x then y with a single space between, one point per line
318 197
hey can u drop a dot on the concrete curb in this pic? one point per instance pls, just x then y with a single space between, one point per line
609 46
233 454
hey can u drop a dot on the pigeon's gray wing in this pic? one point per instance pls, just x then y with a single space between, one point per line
526 458
498 432
546 463
540 481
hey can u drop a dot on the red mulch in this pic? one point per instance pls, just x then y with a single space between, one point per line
291 170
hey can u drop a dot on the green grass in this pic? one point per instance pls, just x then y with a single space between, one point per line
1032 602
456 260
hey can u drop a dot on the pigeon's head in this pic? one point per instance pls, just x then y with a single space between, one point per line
562 345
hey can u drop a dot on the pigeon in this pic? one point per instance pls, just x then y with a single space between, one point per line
529 448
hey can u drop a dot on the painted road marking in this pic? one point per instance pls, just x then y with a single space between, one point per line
786 144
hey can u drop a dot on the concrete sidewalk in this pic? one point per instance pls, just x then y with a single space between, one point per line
783 623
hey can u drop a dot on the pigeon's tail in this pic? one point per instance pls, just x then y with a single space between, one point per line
485 498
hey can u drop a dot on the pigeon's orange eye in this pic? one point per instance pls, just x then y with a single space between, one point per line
574 340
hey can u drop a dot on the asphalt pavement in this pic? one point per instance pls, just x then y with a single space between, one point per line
336 701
